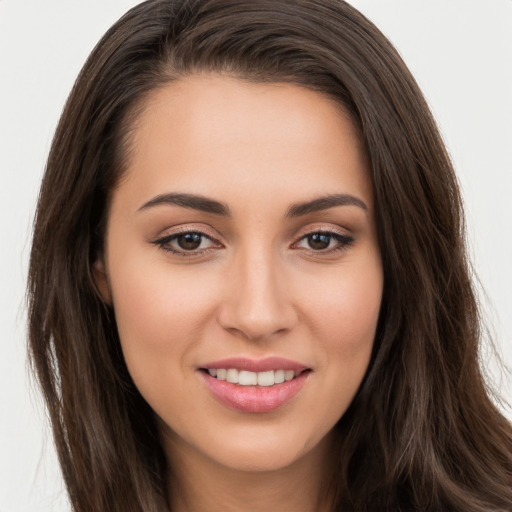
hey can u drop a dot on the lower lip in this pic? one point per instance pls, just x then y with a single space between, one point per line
254 398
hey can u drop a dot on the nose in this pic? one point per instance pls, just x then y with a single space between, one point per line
257 302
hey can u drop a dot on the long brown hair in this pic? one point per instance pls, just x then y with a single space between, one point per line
422 432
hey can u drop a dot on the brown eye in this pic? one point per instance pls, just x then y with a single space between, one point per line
324 242
319 241
189 241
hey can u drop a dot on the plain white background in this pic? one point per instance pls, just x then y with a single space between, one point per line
460 51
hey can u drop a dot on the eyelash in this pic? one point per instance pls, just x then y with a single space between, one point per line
163 243
343 240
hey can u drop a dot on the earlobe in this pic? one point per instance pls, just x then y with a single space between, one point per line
101 280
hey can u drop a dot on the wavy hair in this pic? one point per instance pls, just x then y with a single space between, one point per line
422 432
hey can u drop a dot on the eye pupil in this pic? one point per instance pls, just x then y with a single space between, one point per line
189 241
319 240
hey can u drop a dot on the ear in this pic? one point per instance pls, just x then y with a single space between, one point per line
101 280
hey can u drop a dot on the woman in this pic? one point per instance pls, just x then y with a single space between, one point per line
248 281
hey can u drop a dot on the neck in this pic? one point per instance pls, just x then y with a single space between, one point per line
198 483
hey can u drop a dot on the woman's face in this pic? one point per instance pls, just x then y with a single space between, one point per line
242 241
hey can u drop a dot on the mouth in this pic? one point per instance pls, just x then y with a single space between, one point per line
254 386
247 378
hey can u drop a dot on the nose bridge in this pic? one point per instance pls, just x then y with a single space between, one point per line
256 302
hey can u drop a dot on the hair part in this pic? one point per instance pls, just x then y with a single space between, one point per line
422 433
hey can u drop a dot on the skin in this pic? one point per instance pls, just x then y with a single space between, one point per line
255 287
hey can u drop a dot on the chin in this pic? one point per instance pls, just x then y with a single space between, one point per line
264 459
264 450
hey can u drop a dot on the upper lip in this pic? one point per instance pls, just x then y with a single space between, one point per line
256 365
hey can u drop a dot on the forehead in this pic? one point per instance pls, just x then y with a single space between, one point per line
216 135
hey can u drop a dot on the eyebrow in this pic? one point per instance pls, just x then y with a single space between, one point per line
204 204
324 203
193 201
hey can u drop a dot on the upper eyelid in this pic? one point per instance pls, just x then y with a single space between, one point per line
167 238
322 229
298 236
170 232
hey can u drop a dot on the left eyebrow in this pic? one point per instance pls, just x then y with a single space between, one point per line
324 203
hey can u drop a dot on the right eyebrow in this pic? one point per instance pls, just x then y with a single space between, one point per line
193 201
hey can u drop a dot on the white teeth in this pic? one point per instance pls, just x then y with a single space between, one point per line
279 376
246 378
289 374
266 378
232 376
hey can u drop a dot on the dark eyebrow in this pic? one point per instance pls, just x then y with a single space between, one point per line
323 203
193 201
204 204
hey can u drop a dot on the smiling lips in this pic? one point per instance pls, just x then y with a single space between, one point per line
255 386
246 378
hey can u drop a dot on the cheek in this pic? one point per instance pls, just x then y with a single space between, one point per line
343 308
159 313
342 314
